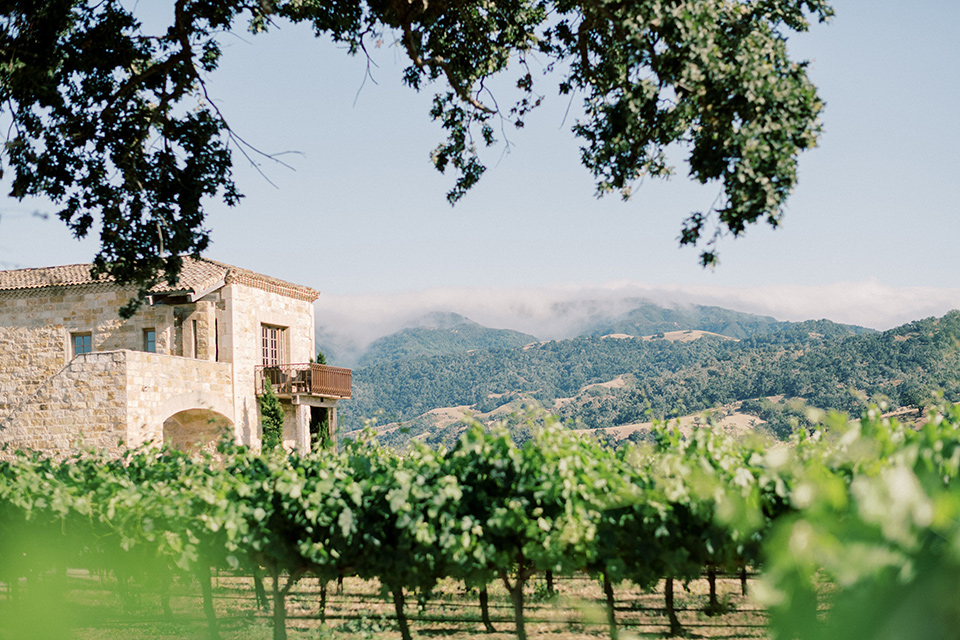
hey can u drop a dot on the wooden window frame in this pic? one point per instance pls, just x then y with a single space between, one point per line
273 339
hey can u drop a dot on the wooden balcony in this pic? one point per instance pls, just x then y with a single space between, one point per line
307 379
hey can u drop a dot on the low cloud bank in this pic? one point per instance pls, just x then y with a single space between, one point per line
352 322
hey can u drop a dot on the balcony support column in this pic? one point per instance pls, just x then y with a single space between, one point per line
302 431
332 424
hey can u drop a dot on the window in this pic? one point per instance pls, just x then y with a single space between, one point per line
273 345
81 343
150 340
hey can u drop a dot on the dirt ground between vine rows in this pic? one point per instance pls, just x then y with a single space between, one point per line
94 610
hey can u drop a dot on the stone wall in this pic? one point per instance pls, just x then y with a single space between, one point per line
161 386
111 399
83 405
29 356
36 354
87 308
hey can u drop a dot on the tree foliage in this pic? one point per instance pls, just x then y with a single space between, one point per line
114 124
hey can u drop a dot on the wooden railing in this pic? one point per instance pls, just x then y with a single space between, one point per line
305 379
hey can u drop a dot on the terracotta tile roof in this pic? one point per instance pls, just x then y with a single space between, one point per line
239 275
195 277
68 274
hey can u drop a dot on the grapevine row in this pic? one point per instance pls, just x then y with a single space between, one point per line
854 503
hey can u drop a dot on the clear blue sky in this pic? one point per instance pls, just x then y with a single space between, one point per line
364 211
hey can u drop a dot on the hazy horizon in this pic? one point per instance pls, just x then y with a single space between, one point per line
551 313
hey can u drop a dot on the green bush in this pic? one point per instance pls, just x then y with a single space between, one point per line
271 418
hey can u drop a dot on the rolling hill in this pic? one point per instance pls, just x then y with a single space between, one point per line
829 366
437 334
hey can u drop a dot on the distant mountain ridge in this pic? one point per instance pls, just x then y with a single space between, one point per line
440 333
648 318
445 333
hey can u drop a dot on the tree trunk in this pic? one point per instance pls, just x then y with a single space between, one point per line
279 608
611 614
340 584
205 578
485 610
398 602
165 595
280 593
713 607
123 588
743 580
323 603
549 576
516 596
262 602
675 628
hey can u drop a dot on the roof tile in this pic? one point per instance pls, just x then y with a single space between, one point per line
197 275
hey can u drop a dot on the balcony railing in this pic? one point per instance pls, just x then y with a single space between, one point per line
305 379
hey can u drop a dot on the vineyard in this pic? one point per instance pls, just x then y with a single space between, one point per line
855 528
574 610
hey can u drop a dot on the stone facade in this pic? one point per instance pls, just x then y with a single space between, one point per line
181 371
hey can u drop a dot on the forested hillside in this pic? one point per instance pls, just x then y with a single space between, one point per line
815 361
441 334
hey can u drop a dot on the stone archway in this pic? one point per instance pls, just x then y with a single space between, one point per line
196 421
196 430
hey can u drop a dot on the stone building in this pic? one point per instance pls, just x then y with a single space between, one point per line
186 368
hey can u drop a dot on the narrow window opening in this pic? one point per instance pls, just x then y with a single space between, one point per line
150 340
81 343
196 338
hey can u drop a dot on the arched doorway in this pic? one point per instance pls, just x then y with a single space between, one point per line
193 430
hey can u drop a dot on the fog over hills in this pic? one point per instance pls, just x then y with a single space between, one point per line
349 326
